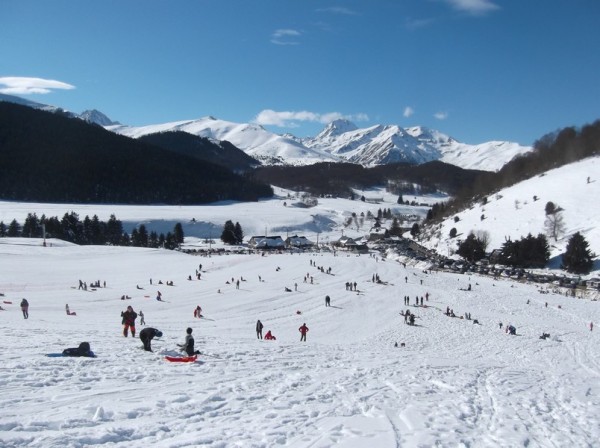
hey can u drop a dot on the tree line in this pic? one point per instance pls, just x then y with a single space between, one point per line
91 231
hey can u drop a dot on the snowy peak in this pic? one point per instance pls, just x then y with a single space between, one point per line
336 128
96 117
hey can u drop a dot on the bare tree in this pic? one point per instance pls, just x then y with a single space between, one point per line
555 225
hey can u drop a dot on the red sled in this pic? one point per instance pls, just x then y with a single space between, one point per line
181 358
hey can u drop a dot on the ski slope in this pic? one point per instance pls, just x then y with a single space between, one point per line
454 383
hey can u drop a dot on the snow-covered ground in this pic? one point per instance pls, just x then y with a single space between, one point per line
455 383
520 209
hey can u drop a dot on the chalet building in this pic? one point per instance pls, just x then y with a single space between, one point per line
266 242
298 242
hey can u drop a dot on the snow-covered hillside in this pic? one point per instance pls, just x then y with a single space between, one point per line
514 212
449 382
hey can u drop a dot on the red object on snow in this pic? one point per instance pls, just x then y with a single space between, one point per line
181 358
269 336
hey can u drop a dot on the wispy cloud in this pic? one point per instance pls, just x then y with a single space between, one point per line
338 10
441 115
414 24
474 7
18 85
285 37
408 111
290 119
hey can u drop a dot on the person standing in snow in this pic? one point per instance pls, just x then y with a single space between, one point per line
128 321
327 301
142 320
591 326
259 329
303 330
25 308
147 334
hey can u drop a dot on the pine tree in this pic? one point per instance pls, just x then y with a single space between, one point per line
577 258
228 234
14 229
239 233
415 230
178 234
395 228
471 249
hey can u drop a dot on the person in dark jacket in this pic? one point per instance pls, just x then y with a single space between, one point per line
259 328
147 334
25 308
188 345
128 321
327 301
84 349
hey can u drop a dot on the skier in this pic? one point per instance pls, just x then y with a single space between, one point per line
25 308
259 328
303 330
188 345
327 301
147 334
128 321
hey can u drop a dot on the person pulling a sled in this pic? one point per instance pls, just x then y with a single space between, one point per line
128 321
147 334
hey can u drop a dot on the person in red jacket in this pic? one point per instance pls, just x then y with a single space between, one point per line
269 336
303 330
128 321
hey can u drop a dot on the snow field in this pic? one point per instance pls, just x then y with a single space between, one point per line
454 384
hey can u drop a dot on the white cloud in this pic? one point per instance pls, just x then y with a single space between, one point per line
285 37
408 111
338 10
18 85
475 7
441 115
289 118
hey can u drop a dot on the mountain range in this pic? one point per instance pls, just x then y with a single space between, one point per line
339 141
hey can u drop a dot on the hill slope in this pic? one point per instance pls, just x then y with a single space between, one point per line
50 157
455 383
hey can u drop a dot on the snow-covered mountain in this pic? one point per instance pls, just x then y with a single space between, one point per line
342 141
268 147
97 117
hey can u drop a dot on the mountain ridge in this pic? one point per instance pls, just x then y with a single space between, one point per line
339 141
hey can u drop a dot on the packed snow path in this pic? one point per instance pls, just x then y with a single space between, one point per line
454 383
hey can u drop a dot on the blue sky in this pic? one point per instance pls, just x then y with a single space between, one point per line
477 70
